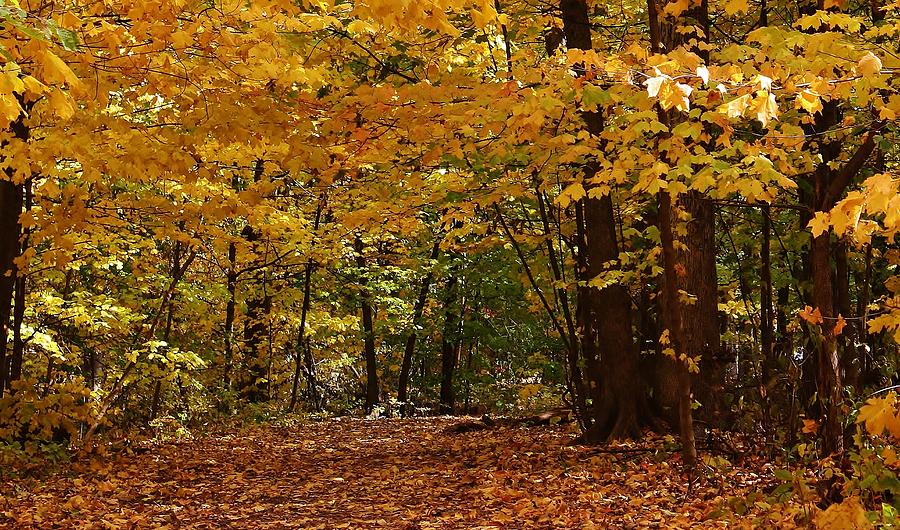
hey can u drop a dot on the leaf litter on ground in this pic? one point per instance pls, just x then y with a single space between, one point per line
398 474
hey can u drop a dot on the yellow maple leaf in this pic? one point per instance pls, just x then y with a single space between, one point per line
819 224
879 414
61 104
654 84
677 7
809 102
573 192
57 71
890 456
33 86
766 107
736 107
9 107
834 3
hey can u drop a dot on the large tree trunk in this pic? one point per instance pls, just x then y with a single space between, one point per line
619 408
829 186
828 373
862 353
256 329
367 329
673 311
11 201
10 231
847 338
701 318
692 328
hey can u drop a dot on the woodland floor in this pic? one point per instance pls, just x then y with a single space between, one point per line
398 474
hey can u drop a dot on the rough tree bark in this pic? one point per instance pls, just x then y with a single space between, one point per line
701 318
829 184
256 329
618 391
11 201
673 311
692 328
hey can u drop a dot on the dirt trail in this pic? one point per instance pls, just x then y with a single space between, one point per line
353 473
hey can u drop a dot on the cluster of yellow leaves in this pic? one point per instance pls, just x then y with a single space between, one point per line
880 415
671 93
872 209
849 514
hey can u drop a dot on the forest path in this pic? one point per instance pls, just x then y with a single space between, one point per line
354 473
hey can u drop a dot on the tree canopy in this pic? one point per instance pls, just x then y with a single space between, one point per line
673 217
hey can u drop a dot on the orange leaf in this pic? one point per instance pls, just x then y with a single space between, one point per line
810 426
839 325
813 316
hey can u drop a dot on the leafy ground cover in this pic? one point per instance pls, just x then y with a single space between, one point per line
399 474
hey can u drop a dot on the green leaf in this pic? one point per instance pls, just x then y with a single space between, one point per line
783 474
593 96
66 37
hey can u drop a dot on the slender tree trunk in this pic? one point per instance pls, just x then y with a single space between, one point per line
18 352
151 326
301 333
766 319
167 331
367 329
230 306
862 311
449 345
828 375
255 333
312 387
410 348
575 378
300 347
